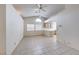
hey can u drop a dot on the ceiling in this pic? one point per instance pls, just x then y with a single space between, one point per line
27 10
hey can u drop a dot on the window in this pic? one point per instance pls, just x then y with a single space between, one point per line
30 27
38 27
54 26
34 27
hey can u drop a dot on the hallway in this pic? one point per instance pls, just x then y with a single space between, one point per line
40 45
28 33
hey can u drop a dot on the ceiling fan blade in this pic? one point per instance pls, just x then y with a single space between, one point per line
37 5
34 6
43 10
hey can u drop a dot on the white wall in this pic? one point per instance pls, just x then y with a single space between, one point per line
2 28
14 29
68 33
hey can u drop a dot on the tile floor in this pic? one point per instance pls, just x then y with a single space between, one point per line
41 45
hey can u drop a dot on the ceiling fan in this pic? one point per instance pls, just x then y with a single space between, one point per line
39 7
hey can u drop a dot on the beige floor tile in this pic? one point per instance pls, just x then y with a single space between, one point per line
41 45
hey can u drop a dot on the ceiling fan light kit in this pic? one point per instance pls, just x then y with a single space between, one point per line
39 8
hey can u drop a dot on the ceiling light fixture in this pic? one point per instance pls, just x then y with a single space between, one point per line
38 20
